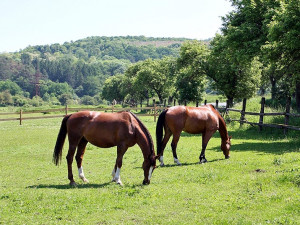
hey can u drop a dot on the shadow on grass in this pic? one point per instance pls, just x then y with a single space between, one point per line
67 186
188 164
273 147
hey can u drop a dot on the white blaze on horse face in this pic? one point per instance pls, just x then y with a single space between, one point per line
150 172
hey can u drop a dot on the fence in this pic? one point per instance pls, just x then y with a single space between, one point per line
262 114
156 109
21 115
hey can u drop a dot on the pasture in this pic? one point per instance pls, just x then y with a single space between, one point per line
259 184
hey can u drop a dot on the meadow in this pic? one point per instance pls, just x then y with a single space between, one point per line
259 184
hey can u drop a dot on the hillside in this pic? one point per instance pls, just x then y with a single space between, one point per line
76 68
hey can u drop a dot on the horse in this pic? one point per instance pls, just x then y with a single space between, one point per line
194 120
104 130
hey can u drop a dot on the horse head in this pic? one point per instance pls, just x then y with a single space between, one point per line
225 146
149 165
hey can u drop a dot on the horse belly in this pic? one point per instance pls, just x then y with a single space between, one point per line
106 137
194 126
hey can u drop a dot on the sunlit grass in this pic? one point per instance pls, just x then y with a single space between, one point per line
259 184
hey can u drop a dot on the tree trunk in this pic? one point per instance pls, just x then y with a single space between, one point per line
230 101
298 95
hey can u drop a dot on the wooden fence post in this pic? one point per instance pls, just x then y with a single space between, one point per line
217 103
262 111
20 116
287 117
66 110
112 108
165 102
197 103
153 102
174 102
185 102
154 112
243 112
205 102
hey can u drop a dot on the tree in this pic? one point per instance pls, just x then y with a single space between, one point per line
232 77
191 71
112 88
284 46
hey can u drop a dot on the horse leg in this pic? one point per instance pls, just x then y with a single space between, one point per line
205 138
167 136
79 156
70 156
174 146
121 149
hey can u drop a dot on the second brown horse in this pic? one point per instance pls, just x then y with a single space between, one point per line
194 120
104 130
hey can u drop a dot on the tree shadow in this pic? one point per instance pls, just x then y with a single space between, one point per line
68 186
273 147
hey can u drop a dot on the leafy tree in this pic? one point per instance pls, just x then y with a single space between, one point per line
11 87
112 88
191 66
232 77
284 45
5 98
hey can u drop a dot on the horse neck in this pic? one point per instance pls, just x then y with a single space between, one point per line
144 143
144 139
222 129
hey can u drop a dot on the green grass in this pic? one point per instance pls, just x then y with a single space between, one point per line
259 184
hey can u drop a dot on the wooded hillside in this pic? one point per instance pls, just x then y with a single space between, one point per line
79 68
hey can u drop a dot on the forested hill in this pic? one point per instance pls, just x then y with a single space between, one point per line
78 68
132 48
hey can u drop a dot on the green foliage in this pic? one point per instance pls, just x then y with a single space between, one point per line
191 65
112 88
84 64
232 77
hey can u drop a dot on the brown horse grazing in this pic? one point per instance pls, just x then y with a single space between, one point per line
193 120
122 129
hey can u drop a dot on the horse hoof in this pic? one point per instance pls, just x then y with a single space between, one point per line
203 161
85 180
120 183
73 184
162 164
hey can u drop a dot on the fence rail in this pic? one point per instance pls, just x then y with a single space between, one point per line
262 114
154 111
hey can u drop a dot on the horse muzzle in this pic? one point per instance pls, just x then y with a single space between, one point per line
227 157
146 182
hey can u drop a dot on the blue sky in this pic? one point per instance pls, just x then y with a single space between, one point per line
38 22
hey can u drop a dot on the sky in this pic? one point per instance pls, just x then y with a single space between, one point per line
41 22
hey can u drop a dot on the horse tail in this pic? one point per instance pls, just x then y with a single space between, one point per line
159 131
60 140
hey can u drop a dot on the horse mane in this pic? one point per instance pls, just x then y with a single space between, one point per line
222 124
146 132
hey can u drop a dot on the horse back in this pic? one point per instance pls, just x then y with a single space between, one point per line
103 129
192 120
201 119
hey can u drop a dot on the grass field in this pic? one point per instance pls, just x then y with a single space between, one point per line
259 184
